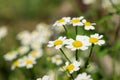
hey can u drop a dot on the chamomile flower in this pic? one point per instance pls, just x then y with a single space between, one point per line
46 77
17 63
36 45
28 62
83 76
41 26
96 39
57 43
25 37
35 54
87 2
10 56
81 42
23 50
77 21
71 67
3 32
35 34
61 22
57 59
88 25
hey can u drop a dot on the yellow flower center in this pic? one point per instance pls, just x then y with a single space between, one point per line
16 63
87 23
11 54
33 54
61 20
28 61
93 40
77 44
75 20
58 42
57 59
70 67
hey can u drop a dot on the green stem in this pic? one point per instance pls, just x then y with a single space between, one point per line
32 74
65 55
76 55
76 30
87 62
65 30
71 76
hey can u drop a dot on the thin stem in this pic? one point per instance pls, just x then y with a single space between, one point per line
66 30
87 62
76 55
32 74
71 76
76 30
65 55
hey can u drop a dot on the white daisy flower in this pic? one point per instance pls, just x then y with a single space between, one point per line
77 21
57 60
36 45
87 2
17 63
83 76
44 33
25 37
41 26
23 50
63 21
75 66
3 32
28 62
36 54
81 42
10 56
26 41
96 39
46 77
35 34
57 43
88 25
23 34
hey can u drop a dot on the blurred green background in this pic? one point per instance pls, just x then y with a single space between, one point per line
19 15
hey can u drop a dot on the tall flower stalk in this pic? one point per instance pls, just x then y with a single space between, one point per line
88 59
65 55
81 42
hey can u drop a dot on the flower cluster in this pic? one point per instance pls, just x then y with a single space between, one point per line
45 77
31 47
76 21
71 67
80 42
83 76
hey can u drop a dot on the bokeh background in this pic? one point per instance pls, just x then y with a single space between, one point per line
20 15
